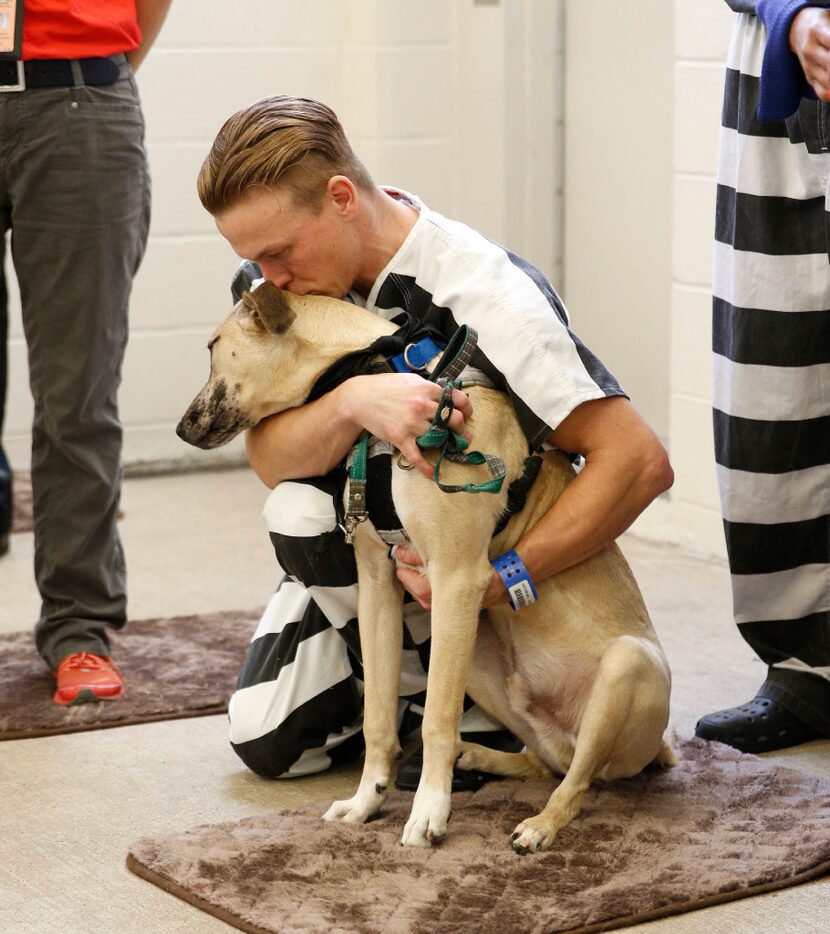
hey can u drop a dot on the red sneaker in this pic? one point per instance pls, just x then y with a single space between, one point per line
83 678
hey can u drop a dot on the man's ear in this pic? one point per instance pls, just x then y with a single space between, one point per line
265 308
343 193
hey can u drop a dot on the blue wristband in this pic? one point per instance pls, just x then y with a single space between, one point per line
515 578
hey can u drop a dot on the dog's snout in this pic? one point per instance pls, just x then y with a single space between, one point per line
192 424
213 418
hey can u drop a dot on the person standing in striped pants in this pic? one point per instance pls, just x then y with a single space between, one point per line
771 342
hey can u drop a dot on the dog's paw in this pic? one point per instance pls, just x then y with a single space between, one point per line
473 757
533 835
356 810
428 820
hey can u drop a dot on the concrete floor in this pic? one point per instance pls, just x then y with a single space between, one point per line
71 805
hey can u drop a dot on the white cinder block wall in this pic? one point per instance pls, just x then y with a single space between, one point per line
457 100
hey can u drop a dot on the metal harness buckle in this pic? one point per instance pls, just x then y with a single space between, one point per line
20 84
412 366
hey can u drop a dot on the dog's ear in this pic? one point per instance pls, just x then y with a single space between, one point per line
266 308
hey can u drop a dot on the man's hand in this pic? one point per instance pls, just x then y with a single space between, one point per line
417 583
810 40
400 407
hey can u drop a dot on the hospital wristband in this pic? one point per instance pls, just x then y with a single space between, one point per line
516 579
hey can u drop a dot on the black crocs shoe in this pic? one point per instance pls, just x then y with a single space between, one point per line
762 725
409 773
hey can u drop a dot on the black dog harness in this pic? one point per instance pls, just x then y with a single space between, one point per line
369 465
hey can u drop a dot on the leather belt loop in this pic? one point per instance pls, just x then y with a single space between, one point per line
77 73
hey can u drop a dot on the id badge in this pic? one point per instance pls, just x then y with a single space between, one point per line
11 29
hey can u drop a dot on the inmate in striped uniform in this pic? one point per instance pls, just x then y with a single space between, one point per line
298 704
771 342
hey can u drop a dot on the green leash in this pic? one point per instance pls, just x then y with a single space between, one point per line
453 447
356 505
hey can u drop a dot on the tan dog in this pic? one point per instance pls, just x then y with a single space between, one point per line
579 676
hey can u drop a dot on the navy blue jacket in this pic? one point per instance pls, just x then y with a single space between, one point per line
782 80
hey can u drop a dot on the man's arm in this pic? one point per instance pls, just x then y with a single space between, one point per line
151 15
625 468
313 439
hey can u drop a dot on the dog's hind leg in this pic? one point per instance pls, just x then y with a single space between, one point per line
380 618
490 685
524 764
620 732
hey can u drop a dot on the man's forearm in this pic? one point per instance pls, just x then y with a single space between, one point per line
308 441
313 439
626 467
151 15
594 510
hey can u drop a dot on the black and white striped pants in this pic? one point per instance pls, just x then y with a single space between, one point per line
771 342
298 704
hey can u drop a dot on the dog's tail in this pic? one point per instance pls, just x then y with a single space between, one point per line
666 757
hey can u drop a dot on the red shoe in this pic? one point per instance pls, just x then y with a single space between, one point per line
83 678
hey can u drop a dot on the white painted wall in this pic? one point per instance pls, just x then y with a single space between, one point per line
618 186
457 100
644 83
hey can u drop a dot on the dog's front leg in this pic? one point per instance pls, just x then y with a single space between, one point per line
380 618
458 586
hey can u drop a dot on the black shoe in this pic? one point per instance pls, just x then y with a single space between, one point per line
762 725
409 773
4 543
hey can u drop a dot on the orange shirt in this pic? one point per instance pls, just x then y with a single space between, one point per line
79 28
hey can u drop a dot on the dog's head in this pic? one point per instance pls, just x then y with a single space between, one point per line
249 373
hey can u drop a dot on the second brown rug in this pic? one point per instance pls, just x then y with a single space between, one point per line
717 827
22 503
173 668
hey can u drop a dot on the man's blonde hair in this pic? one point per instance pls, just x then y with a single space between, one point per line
292 142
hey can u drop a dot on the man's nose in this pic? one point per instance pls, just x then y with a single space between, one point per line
276 273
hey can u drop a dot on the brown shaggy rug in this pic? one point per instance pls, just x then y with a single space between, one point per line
719 826
173 668
22 502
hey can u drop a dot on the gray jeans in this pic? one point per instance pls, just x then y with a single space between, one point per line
75 191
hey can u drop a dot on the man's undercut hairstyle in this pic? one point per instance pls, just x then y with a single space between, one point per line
291 142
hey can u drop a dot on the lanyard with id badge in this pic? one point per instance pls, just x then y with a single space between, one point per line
11 45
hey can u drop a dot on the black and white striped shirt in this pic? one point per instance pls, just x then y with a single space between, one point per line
447 274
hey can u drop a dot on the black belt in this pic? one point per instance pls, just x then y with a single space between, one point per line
57 72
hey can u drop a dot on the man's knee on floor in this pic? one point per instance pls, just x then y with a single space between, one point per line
273 757
268 759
